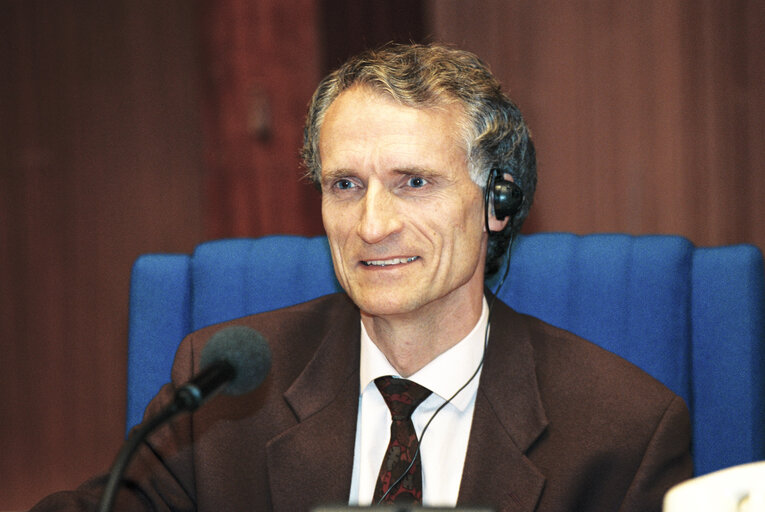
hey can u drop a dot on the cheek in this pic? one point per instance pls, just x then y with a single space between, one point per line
339 225
468 217
468 230
457 240
334 219
462 211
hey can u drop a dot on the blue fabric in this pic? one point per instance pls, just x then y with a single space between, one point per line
728 355
692 317
234 278
160 316
623 293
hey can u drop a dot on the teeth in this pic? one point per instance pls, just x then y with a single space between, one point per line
394 261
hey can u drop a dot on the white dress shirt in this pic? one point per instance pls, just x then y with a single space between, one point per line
443 448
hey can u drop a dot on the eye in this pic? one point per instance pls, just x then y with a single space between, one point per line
417 182
344 184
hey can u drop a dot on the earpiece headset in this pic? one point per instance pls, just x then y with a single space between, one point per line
506 197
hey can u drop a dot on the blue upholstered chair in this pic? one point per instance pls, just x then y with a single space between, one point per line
692 317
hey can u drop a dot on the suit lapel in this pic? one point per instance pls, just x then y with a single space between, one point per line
315 457
508 418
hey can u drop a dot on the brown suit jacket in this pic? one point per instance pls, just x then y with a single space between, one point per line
559 425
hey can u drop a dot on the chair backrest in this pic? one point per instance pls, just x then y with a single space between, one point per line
694 318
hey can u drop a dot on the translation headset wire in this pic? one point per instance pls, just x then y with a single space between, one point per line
478 368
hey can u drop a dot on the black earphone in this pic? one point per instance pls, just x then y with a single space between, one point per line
506 197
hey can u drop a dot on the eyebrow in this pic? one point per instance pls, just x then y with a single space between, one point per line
416 171
333 174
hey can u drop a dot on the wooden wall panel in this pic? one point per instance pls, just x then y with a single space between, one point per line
350 26
261 63
260 67
647 115
100 142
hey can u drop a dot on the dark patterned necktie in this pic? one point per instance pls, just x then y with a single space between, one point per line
402 396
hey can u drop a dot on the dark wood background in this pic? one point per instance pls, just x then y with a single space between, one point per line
136 126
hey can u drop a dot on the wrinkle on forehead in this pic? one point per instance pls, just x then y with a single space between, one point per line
463 128
376 137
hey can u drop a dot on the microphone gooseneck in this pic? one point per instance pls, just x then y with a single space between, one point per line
234 361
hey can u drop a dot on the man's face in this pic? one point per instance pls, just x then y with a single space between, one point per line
403 218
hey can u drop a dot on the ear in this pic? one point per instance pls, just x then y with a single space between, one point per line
497 225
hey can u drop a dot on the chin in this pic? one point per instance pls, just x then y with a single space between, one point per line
386 306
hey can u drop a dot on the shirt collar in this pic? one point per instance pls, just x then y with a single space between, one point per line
444 375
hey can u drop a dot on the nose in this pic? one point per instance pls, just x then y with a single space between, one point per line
380 216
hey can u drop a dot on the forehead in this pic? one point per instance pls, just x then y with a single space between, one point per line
361 120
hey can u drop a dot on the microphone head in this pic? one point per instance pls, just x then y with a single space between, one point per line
243 348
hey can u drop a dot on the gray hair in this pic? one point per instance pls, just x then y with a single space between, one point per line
428 76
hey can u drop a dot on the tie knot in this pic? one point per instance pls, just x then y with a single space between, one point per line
402 396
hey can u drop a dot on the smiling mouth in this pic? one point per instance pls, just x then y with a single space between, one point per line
392 261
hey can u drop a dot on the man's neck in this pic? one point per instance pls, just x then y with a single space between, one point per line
411 341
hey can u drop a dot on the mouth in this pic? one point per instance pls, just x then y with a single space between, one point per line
389 262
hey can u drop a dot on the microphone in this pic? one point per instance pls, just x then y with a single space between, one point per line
234 361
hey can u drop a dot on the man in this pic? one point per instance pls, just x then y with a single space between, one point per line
403 142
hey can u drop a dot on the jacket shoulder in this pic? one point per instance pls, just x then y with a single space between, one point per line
590 371
293 333
613 434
